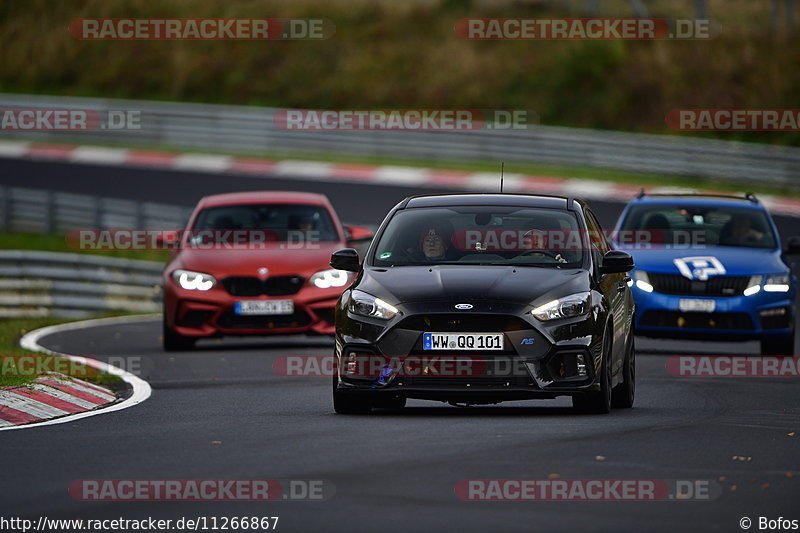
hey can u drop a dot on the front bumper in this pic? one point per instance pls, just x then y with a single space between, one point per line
761 315
538 360
211 313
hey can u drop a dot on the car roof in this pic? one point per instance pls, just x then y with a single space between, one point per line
513 200
698 199
264 197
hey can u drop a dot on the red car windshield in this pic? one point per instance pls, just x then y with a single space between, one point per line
271 222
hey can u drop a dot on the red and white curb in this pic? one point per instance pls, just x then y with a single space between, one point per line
356 173
55 399
50 396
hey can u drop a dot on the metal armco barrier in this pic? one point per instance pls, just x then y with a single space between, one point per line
39 284
251 129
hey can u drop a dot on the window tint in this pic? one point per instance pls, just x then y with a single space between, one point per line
481 235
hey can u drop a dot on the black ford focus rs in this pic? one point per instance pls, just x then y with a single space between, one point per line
483 298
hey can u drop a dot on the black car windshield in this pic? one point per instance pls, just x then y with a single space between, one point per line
702 225
485 235
270 222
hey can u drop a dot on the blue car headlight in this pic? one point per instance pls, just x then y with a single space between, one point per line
777 283
642 280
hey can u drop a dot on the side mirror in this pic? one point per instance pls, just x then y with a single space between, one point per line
345 259
357 233
616 261
792 245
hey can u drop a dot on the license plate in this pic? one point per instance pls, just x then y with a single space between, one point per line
264 307
696 305
462 341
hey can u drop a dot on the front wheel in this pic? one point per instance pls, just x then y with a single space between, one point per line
598 402
778 345
623 394
173 341
349 404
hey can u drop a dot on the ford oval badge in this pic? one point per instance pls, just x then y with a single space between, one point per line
463 306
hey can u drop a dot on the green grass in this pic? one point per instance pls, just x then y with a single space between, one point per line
20 366
57 243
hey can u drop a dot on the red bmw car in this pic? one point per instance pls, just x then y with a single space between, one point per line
255 263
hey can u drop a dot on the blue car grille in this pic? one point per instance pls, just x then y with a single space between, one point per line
676 319
716 286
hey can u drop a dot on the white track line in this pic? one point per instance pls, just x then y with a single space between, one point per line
141 388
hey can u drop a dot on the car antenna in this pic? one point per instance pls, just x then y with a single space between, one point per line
502 167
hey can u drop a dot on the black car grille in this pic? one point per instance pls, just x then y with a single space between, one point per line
252 286
231 320
716 286
456 323
676 319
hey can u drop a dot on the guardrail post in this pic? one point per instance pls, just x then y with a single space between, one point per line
140 218
97 206
49 213
5 205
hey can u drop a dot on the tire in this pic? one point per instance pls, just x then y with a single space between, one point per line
350 404
624 394
598 402
778 345
173 341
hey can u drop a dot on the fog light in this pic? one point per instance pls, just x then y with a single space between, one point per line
778 311
581 362
351 364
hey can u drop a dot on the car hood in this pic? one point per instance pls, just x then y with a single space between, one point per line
521 285
278 261
735 261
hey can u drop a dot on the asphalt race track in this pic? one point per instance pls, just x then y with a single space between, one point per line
222 412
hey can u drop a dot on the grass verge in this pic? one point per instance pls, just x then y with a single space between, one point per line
58 243
20 366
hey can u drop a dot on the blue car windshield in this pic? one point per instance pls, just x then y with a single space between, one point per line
702 225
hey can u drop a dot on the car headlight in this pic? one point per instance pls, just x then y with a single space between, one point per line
194 281
325 279
753 285
566 307
777 283
642 280
365 304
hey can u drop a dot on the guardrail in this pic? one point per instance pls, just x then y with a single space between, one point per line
40 284
41 211
241 128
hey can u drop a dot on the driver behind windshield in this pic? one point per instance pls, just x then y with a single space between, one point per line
435 243
740 230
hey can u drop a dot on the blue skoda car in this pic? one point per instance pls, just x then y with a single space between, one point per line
709 267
